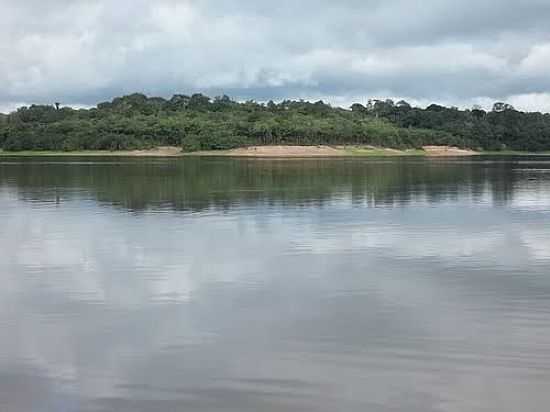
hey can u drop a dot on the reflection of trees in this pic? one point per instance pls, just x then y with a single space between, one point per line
197 183
503 188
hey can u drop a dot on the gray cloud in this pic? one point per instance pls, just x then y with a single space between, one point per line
81 52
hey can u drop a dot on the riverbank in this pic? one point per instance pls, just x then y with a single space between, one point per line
278 151
161 151
333 151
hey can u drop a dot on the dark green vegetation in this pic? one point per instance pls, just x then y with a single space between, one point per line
199 123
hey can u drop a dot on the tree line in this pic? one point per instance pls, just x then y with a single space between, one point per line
198 122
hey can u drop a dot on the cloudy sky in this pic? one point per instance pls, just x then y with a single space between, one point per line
81 52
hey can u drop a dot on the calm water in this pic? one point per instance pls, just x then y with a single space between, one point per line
275 285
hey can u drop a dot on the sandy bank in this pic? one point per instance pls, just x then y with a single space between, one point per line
280 151
447 151
334 151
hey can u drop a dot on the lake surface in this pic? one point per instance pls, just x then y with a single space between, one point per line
275 285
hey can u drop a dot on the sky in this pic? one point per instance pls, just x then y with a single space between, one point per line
81 52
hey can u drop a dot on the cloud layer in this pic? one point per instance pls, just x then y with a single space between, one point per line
81 52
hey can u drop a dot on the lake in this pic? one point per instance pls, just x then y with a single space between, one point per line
218 284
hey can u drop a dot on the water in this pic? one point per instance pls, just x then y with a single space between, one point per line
275 285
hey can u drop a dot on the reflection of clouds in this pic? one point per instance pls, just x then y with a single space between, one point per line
221 310
54 252
538 242
413 242
474 236
437 243
175 285
531 196
89 256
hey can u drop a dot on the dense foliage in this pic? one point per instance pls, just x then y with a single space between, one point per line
199 123
500 129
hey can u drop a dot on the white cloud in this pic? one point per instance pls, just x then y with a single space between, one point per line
531 102
537 62
81 53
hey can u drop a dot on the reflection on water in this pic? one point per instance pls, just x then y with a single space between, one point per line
270 285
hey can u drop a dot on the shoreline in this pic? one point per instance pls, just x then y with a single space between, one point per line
279 151
161 151
318 151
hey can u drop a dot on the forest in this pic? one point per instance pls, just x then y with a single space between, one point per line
198 122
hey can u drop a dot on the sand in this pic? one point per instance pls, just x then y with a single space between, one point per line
447 151
280 151
334 151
